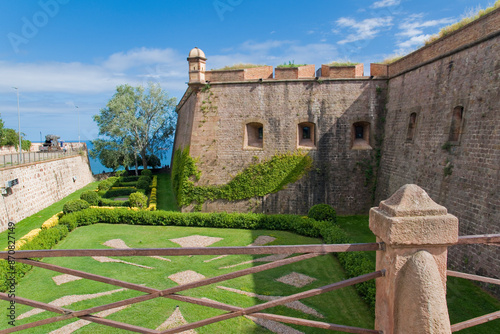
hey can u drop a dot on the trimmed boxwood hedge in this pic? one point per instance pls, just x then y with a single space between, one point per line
323 212
119 192
46 239
75 205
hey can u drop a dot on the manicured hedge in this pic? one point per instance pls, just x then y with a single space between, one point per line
110 202
118 192
323 212
46 239
75 205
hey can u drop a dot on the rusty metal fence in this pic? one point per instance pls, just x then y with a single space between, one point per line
305 251
494 240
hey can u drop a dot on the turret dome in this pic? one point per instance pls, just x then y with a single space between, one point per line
196 53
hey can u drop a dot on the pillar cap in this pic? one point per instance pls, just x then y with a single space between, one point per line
411 201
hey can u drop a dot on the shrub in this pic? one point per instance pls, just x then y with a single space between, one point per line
120 173
132 178
110 202
323 212
119 192
146 172
75 205
138 200
108 183
90 197
45 239
144 182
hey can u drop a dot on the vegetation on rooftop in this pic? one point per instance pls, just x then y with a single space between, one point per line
239 66
391 59
471 16
342 63
291 64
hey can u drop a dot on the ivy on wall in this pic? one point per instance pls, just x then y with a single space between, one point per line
258 179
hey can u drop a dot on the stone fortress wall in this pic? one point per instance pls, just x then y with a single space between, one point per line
454 152
433 116
40 185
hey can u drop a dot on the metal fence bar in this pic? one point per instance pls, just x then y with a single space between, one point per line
493 239
476 321
67 314
315 324
473 277
184 251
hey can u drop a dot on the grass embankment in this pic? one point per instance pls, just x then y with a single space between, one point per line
342 306
465 299
165 195
36 220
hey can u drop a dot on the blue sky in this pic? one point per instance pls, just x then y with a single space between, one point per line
67 53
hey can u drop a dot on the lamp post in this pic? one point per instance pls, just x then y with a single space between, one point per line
19 121
78 109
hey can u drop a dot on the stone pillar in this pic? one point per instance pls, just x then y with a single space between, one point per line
411 298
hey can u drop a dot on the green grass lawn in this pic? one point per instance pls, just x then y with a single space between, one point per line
465 299
36 220
342 306
165 195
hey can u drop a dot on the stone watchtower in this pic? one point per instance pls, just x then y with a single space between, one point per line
197 66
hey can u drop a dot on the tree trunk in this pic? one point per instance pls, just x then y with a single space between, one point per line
136 165
144 159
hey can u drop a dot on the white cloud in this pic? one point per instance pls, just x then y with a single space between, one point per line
133 67
139 57
273 53
413 42
365 29
385 3
414 31
414 25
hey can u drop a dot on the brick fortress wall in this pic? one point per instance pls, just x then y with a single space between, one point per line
40 185
461 175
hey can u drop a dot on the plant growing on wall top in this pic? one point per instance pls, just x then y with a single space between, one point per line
258 179
291 64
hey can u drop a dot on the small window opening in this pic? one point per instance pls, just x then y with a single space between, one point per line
360 137
254 135
456 124
305 135
306 132
411 127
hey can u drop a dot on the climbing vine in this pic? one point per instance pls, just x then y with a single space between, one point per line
258 179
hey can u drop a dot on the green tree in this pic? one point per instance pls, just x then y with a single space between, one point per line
10 137
1 130
136 122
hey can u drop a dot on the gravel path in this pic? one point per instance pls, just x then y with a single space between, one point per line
270 258
185 277
260 241
274 326
65 278
70 328
68 300
175 320
120 244
196 241
296 279
296 305
105 259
